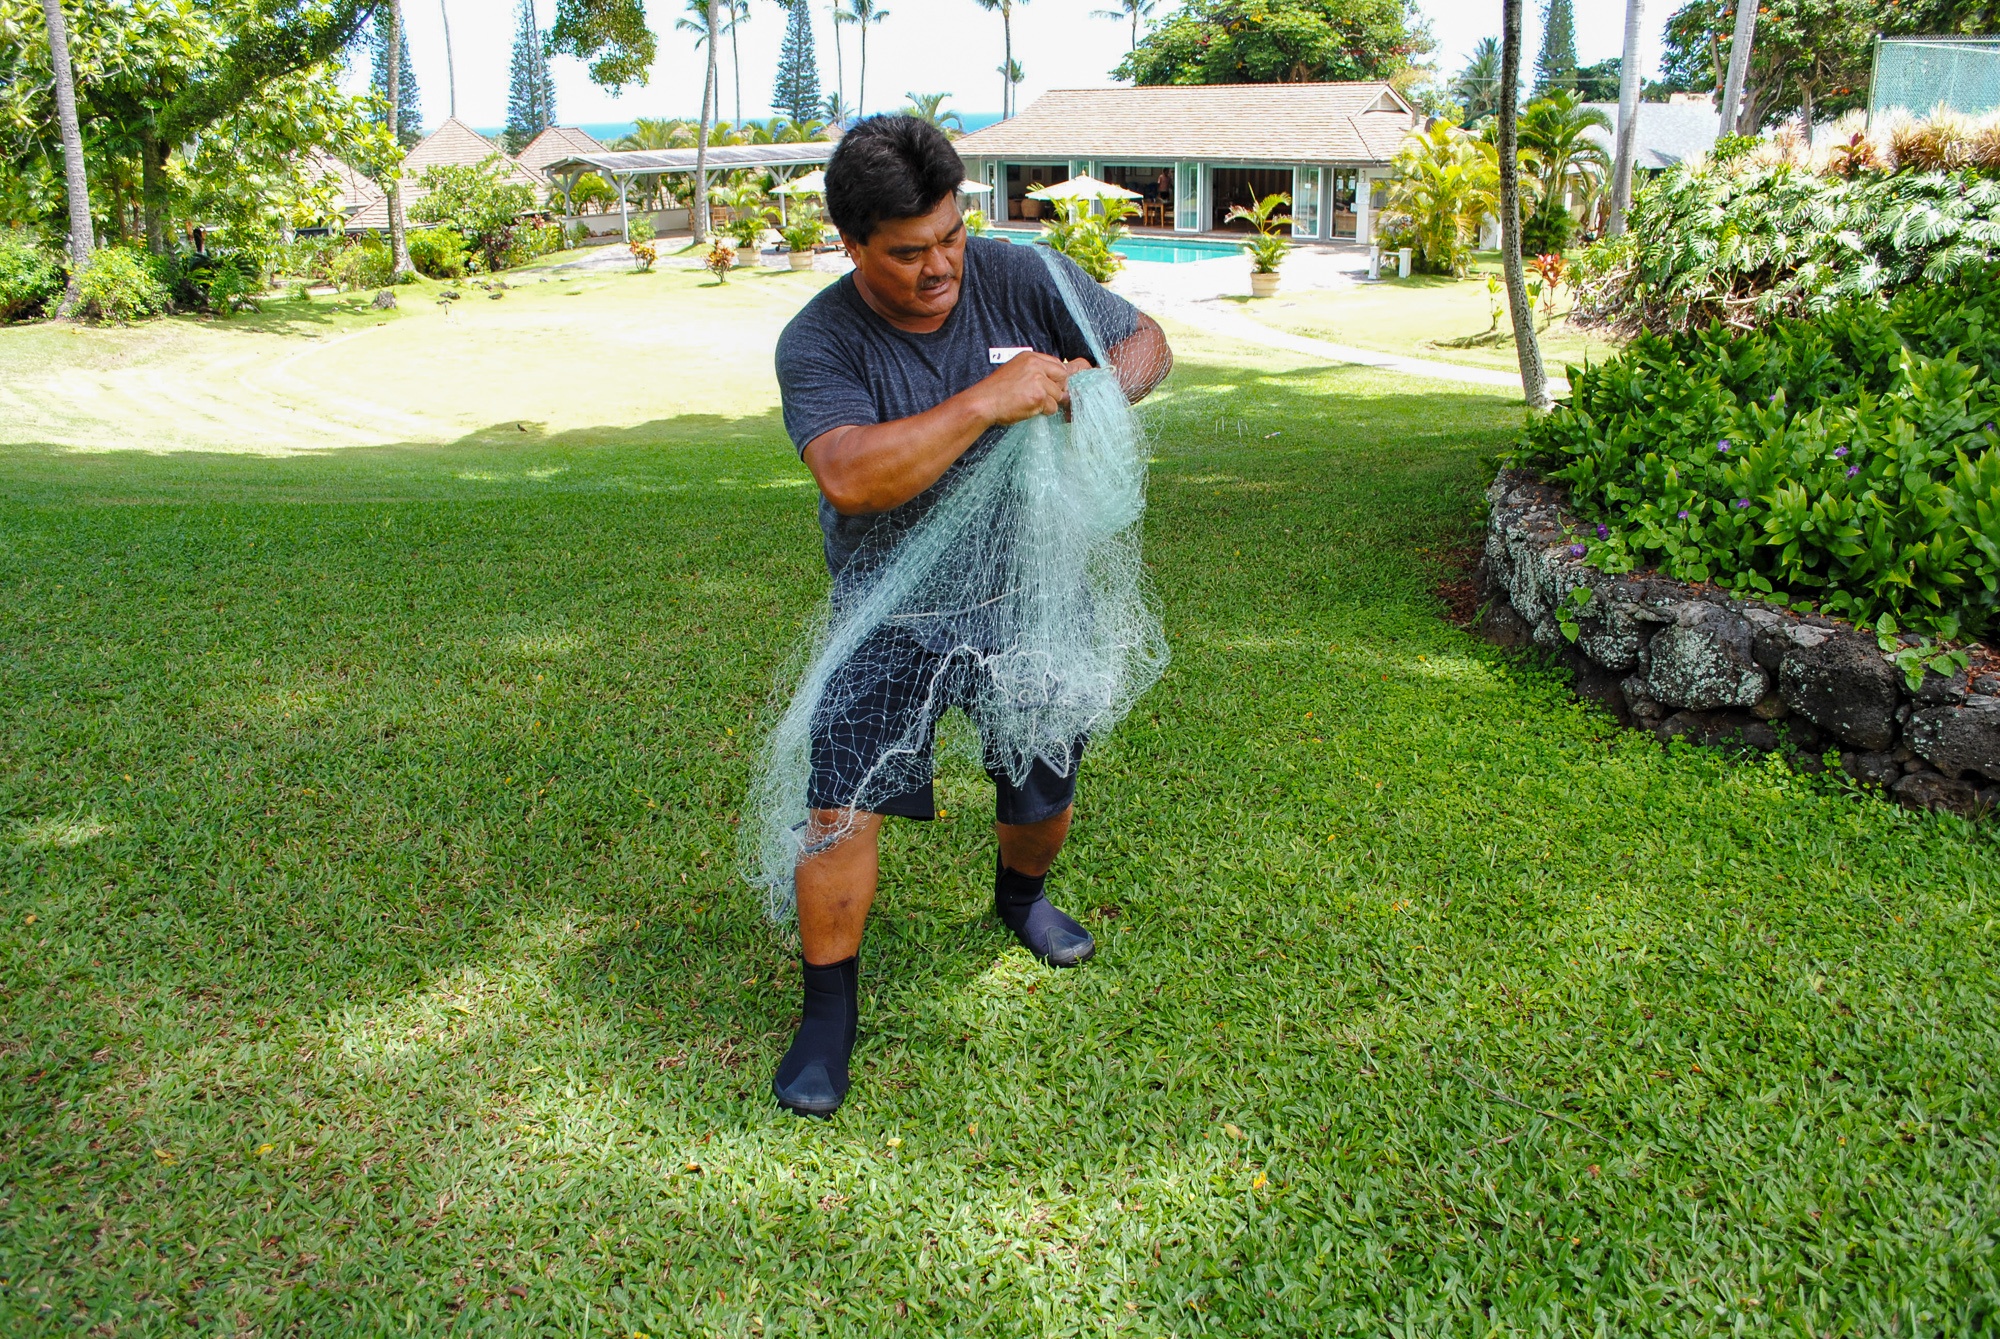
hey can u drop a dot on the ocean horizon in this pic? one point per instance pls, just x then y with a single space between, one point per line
607 131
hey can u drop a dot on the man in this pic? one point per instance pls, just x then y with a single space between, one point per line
894 380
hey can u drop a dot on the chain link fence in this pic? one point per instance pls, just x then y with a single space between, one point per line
1919 74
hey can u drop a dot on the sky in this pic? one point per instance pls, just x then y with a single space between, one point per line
924 46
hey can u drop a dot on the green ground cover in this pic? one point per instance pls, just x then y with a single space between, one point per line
1427 316
370 959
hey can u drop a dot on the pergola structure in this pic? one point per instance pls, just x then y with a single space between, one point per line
645 167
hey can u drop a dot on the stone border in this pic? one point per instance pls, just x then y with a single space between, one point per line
1695 663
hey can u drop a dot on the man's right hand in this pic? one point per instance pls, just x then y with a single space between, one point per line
1026 386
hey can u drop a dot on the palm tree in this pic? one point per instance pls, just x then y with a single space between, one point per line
930 109
864 14
1554 136
797 132
82 241
708 31
1534 379
1628 119
838 113
1127 9
1478 84
739 12
839 96
1010 73
1447 182
656 132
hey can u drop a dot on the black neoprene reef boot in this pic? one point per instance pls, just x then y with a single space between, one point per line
1043 930
812 1078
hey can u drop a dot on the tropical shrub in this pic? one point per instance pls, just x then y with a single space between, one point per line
1089 238
1748 241
1446 182
1549 229
31 281
719 260
211 281
591 190
364 265
120 285
1848 462
437 252
976 222
479 202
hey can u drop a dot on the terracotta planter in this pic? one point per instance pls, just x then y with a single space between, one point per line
802 260
1263 284
746 256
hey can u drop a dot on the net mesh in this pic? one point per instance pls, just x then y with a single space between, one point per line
1918 75
1020 598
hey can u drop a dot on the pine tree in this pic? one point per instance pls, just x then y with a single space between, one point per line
409 103
1555 67
797 91
531 88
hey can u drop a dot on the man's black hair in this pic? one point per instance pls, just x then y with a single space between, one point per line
889 167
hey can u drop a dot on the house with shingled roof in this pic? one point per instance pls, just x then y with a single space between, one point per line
1191 152
552 145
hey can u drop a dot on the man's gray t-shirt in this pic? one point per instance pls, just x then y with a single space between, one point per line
840 364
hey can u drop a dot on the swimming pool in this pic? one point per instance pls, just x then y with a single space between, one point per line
1160 250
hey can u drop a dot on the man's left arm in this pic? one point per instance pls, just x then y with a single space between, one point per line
1142 359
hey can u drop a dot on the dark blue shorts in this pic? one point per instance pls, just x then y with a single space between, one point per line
851 739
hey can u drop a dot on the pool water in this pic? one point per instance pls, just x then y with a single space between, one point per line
1160 250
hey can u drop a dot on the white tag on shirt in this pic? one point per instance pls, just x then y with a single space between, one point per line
1003 355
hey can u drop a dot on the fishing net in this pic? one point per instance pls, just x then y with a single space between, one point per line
1019 598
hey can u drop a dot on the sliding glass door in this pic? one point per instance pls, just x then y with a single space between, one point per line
1305 202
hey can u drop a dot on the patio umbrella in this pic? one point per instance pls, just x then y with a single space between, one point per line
1085 187
812 183
971 187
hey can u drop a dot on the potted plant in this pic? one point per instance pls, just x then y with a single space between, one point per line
748 217
1268 248
801 235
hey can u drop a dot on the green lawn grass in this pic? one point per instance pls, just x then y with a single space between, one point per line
1428 316
371 960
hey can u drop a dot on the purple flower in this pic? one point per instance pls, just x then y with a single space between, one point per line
1577 550
1839 451
1853 470
1723 446
1681 515
1742 502
1602 533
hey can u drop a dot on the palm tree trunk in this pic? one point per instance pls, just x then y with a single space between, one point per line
1007 66
450 72
1728 120
1135 26
82 241
1628 120
839 74
861 86
698 217
1534 380
736 63
399 241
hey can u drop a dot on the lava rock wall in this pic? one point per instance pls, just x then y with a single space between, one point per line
1696 663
